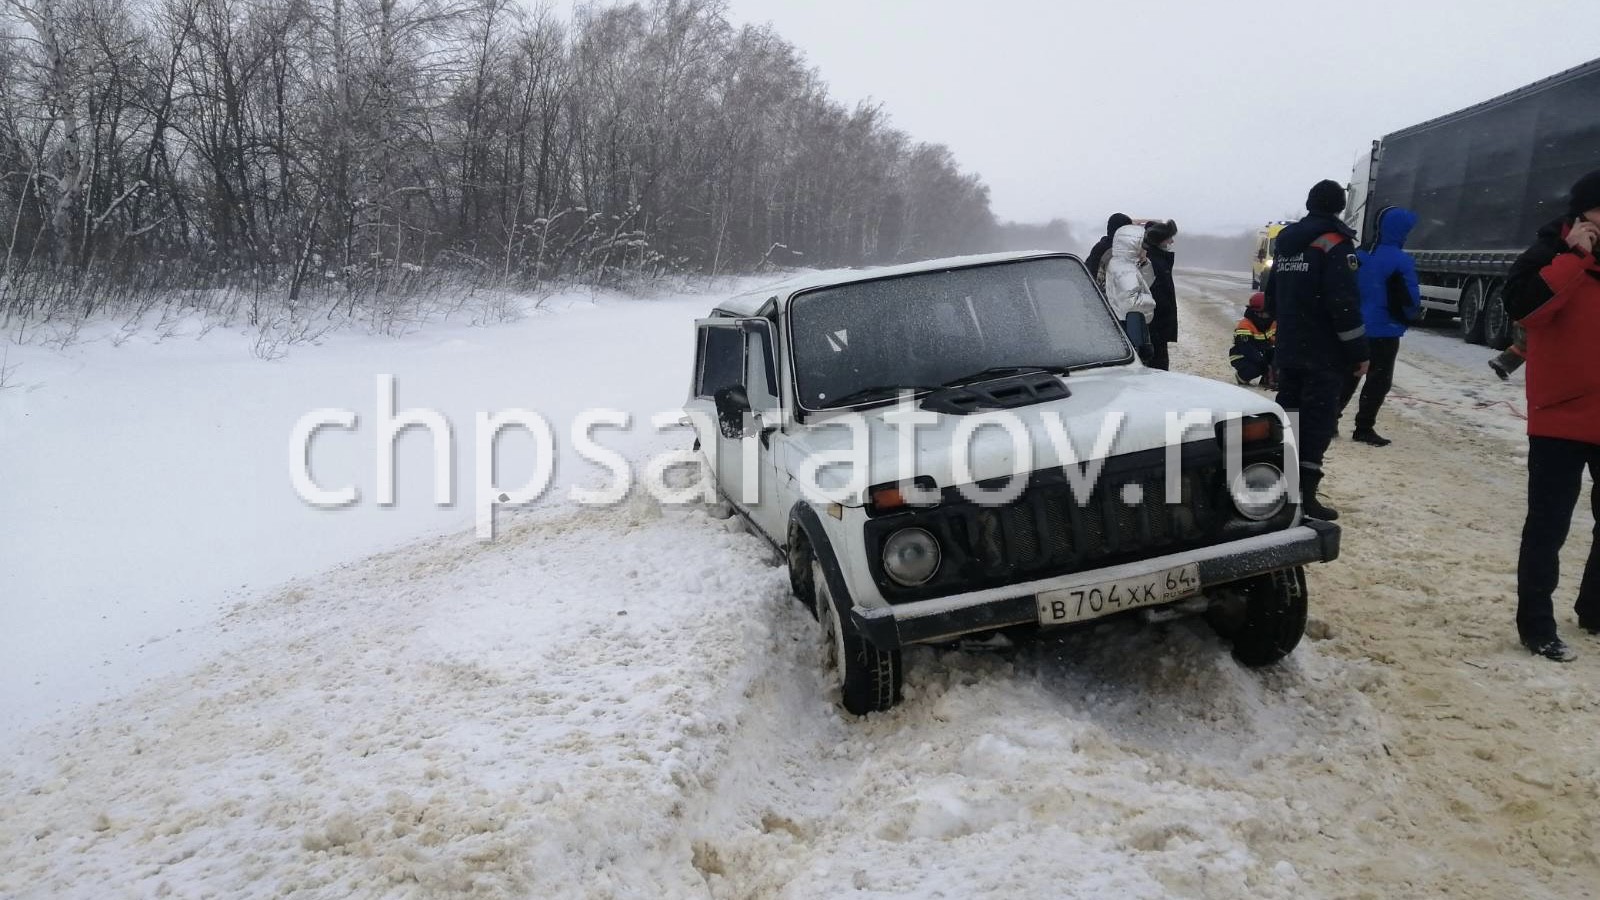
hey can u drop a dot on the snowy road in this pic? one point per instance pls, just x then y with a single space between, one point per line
625 703
1436 371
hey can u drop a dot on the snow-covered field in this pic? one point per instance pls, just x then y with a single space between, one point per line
144 488
625 702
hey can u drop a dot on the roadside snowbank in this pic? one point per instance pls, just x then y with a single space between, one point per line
144 488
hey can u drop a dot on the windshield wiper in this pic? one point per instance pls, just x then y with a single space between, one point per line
878 392
997 371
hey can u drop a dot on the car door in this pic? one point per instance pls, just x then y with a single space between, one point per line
738 353
769 512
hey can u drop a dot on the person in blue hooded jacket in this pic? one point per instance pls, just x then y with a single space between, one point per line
1390 301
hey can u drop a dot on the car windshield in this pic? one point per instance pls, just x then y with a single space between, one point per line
929 329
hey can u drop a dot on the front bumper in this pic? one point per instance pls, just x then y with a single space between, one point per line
943 618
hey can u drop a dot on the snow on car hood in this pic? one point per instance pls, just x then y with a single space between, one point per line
1144 398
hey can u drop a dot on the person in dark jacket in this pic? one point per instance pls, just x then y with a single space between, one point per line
1253 343
1390 301
1103 246
1554 292
1164 324
1313 297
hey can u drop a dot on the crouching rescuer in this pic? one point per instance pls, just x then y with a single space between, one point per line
1253 341
1313 296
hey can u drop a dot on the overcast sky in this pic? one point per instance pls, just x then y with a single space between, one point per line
1218 114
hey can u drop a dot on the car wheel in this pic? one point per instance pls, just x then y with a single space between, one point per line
800 559
867 679
1471 309
1496 321
1274 617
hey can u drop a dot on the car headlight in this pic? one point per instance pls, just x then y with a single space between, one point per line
1259 492
911 556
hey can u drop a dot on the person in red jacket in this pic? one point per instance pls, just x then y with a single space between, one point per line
1554 292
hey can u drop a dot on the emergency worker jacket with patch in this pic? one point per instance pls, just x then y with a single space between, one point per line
1313 296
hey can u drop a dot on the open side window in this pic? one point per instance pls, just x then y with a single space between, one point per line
735 368
761 369
720 360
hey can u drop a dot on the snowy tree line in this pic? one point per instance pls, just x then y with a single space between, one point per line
353 146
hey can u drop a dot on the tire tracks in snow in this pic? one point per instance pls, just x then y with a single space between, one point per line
1114 760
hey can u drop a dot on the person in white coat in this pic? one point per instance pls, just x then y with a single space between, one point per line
1126 288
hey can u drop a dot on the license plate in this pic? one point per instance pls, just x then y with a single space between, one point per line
1091 601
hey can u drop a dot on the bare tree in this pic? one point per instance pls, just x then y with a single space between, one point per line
276 146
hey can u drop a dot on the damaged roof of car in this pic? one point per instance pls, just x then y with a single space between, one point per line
750 303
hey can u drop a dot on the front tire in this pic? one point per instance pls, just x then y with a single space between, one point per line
801 572
868 679
1274 619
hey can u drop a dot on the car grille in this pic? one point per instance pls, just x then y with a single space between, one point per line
1046 532
1047 528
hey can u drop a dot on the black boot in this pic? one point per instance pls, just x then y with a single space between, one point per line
1507 362
1309 480
1368 436
1552 648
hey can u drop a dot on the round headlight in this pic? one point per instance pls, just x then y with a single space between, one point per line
911 556
1259 492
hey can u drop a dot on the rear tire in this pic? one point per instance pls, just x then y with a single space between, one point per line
1274 618
868 679
1471 310
1496 321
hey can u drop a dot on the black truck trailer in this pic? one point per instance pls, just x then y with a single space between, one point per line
1482 181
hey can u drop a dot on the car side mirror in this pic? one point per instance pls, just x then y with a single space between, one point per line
733 411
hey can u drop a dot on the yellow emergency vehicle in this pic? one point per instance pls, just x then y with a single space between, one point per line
1266 243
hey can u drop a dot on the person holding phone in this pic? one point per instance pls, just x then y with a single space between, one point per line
1553 291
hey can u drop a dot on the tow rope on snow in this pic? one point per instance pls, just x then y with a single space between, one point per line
1515 411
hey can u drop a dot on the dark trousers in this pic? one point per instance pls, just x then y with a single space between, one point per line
1314 394
1158 356
1138 329
1555 479
1380 377
1251 363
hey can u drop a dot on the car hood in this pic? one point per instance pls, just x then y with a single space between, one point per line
1143 398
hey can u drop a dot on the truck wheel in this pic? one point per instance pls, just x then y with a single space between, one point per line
1471 310
1496 321
868 679
1274 617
